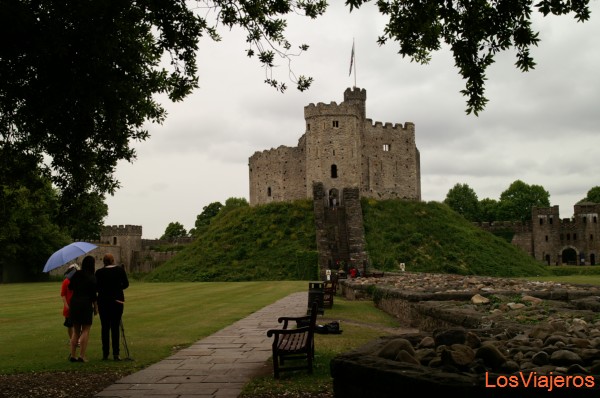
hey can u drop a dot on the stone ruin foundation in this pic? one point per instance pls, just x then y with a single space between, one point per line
478 336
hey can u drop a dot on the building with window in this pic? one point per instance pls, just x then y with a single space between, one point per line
574 241
340 149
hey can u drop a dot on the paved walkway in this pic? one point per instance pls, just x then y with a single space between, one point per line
216 366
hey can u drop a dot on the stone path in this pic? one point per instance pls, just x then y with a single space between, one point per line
217 366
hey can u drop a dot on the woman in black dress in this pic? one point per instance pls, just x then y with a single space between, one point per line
83 307
112 280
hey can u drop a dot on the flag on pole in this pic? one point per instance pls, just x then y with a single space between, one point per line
351 59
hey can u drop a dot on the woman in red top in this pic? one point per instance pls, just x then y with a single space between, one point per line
66 294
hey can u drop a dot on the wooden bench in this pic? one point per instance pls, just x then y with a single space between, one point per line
294 343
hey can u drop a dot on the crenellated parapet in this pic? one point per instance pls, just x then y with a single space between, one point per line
331 109
269 153
355 94
121 230
395 126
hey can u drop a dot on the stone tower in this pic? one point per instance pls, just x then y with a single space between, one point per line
127 237
340 148
341 157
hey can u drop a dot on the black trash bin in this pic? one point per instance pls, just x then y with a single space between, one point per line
315 293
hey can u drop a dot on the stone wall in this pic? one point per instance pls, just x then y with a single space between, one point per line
471 347
555 241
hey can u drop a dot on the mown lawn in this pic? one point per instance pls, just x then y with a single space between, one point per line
159 318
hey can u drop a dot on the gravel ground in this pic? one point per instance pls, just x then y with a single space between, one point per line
80 385
56 384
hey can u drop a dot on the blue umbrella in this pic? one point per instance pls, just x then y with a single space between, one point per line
67 254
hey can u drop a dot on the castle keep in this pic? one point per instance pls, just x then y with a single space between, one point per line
341 157
340 148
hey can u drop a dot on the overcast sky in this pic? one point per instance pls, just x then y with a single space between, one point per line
540 127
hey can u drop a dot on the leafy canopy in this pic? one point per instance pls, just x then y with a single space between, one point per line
463 199
474 30
80 78
593 195
518 199
174 230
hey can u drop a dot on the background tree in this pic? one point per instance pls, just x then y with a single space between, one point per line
174 230
516 202
79 79
29 232
593 195
232 204
488 210
82 217
463 199
475 31
203 219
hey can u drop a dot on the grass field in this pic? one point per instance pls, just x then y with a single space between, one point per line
159 318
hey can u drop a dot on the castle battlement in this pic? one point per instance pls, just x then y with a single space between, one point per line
331 109
388 125
270 152
356 94
121 230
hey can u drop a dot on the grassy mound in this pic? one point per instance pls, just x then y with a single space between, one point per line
277 242
430 237
270 242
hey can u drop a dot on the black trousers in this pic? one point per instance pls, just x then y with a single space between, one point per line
111 313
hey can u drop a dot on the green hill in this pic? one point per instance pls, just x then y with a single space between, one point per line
271 242
277 242
430 237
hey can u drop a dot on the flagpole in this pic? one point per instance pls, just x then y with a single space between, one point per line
354 63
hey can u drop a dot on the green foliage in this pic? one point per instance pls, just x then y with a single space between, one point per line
203 219
593 195
158 318
80 80
430 237
232 204
463 199
475 32
277 241
488 210
29 233
82 215
506 234
575 271
516 201
174 230
270 242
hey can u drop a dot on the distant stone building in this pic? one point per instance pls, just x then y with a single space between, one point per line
128 248
340 148
573 241
555 241
128 238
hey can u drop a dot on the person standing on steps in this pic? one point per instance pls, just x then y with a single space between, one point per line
112 280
